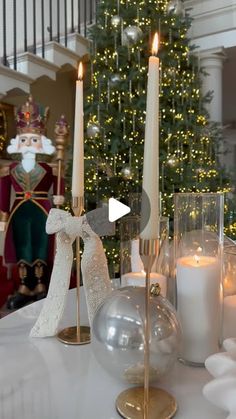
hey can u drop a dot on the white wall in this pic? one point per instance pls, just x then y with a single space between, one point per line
214 23
59 95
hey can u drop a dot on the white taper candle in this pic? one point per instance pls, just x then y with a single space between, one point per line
78 149
151 149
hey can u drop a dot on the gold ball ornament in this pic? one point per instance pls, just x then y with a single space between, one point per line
131 35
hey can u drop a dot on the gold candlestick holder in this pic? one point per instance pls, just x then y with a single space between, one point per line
76 335
146 402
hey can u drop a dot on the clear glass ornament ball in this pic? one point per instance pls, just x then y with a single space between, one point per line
118 335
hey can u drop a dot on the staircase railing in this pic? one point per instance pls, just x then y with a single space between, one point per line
27 25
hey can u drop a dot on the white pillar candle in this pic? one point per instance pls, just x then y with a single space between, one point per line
78 149
199 306
138 279
151 149
229 324
136 261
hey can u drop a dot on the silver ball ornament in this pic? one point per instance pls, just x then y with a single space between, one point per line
176 7
115 21
115 79
93 130
131 35
127 172
118 335
171 71
172 161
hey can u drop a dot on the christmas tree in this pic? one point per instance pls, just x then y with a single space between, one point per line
116 102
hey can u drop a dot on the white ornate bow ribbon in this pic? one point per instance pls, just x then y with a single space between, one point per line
96 281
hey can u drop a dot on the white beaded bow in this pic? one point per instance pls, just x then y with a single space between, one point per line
96 281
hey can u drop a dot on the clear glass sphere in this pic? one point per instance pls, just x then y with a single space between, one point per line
118 335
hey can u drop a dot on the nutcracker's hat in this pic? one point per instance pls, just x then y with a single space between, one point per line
30 117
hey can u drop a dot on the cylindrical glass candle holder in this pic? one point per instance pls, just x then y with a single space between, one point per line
229 281
198 248
131 269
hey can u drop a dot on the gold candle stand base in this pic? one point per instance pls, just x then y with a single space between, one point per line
130 404
70 335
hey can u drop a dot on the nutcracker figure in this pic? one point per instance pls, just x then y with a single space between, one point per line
26 241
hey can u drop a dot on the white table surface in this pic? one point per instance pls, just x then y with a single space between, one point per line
45 379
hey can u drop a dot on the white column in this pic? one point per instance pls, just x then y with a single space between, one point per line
212 63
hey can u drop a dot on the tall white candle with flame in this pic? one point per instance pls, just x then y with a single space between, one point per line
78 150
199 306
151 149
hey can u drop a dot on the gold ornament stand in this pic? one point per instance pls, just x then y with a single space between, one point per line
76 335
146 402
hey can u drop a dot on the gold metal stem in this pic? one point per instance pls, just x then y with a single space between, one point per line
78 285
78 335
148 250
78 208
146 344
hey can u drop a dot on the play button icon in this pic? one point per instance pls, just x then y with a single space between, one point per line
116 210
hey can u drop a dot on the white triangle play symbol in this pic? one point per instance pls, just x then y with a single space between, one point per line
116 210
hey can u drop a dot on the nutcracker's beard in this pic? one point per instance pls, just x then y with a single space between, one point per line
27 151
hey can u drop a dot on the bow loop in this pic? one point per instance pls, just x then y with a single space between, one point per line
57 220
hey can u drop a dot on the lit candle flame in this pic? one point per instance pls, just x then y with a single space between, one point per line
196 258
80 71
155 44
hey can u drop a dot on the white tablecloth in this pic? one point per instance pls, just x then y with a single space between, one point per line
44 379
